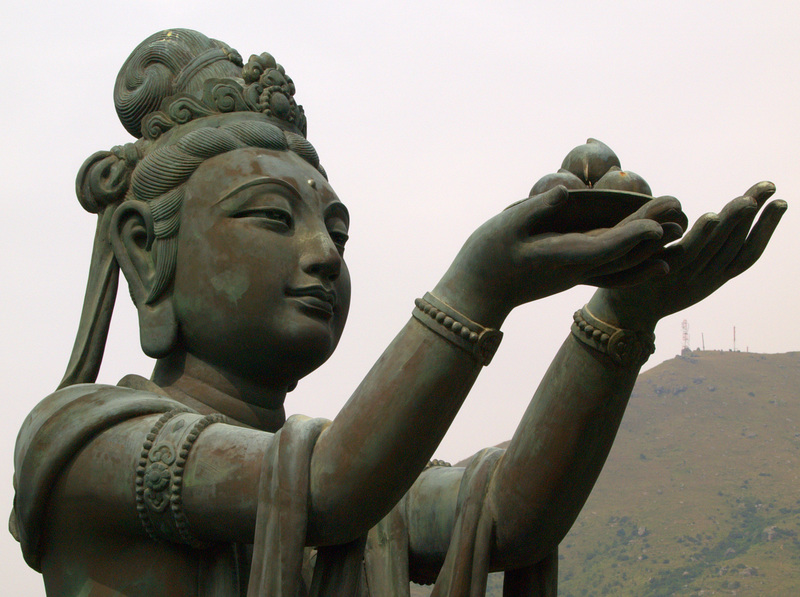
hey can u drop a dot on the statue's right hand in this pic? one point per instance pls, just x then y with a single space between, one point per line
517 257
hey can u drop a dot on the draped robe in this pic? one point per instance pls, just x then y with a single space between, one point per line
281 565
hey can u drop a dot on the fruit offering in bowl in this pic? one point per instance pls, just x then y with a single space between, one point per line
601 193
592 165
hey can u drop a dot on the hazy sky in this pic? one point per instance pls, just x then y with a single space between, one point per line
429 118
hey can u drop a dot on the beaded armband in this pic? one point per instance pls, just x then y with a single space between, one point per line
457 328
626 348
435 463
159 475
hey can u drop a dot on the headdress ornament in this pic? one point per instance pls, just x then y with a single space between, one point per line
264 87
178 75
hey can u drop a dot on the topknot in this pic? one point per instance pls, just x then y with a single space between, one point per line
165 64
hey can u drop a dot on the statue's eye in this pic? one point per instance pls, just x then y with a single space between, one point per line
272 215
340 240
337 230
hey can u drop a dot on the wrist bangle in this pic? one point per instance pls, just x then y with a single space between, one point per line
627 348
159 475
457 328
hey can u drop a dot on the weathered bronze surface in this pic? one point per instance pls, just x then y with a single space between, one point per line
232 242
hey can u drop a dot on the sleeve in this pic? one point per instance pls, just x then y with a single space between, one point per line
52 434
465 566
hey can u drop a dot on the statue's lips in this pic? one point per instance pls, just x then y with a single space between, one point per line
317 299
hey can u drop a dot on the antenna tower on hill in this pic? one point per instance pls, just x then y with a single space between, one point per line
685 337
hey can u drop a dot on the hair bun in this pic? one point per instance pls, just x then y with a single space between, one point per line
166 63
104 177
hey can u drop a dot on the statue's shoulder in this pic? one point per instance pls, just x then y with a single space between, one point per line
66 419
85 393
88 408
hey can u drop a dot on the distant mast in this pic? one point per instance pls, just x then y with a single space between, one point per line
685 348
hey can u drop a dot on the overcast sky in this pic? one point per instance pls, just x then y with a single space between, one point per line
429 117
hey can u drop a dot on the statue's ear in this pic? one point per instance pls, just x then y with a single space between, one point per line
132 237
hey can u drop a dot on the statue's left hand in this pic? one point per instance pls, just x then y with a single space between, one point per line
716 249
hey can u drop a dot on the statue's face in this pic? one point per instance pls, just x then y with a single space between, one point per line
261 288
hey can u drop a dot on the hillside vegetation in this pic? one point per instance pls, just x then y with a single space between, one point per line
700 492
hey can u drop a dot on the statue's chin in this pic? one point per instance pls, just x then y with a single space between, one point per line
279 369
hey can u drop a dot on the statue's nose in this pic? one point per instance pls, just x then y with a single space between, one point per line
320 256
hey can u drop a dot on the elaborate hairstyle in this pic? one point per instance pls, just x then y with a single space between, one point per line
174 78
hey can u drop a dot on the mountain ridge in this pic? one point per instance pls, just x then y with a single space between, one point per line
698 496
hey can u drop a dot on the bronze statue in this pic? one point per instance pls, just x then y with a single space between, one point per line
223 223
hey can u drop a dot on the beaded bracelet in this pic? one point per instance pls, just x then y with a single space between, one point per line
457 328
627 348
159 475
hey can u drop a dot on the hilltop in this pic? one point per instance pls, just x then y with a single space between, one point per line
699 495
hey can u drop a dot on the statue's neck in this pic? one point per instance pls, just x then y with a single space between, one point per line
198 384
